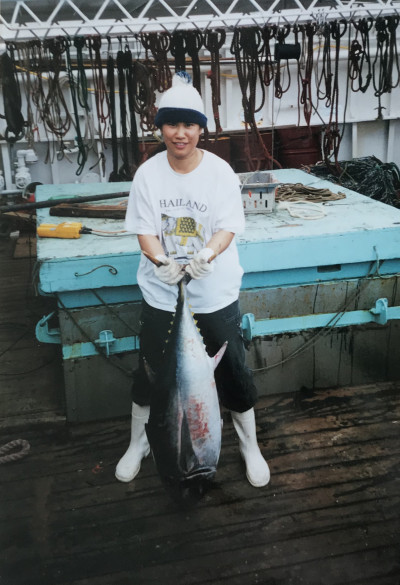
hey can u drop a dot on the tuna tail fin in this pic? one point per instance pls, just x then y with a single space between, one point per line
218 356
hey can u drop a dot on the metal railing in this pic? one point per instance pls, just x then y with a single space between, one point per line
29 19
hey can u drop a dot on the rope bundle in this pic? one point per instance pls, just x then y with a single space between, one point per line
303 201
29 64
24 449
299 192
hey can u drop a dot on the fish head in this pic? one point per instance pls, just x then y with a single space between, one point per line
187 491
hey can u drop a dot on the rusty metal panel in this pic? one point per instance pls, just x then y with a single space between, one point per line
337 357
326 297
122 319
96 390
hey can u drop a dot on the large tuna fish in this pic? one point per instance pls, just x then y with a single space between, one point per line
184 428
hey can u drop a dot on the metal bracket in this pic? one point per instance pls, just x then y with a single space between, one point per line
106 338
380 311
248 325
46 335
380 314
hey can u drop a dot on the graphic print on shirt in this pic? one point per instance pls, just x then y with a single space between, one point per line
182 236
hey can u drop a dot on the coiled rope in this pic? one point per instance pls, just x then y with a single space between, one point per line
300 192
304 202
24 449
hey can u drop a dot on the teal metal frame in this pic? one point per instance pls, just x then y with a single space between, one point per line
379 314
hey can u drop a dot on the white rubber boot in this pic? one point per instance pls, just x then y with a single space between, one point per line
129 465
257 470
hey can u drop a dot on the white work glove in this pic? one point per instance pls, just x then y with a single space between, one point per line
199 267
170 272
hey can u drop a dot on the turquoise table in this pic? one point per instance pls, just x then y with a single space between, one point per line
299 275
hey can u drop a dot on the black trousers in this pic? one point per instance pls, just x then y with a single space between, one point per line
234 380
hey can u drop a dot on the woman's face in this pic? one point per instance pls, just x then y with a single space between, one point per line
181 139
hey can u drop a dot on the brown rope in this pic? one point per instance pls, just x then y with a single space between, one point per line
213 42
359 56
248 47
24 449
281 35
269 33
333 136
159 45
100 88
300 192
305 79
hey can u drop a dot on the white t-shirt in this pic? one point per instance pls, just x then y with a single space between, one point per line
184 211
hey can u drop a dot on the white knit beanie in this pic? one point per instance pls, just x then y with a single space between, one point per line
181 103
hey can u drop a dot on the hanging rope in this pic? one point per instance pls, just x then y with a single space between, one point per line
100 89
11 97
359 56
247 47
159 45
114 175
305 79
178 50
41 65
125 172
77 94
269 33
281 34
55 113
144 96
213 42
332 136
193 43
38 68
386 72
24 68
324 81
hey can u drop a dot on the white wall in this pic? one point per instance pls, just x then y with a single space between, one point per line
364 135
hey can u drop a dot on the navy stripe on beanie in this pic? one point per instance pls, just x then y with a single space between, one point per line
176 115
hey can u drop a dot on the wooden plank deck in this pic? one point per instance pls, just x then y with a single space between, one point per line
31 376
330 515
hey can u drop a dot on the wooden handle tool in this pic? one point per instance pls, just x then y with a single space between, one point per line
158 263
152 258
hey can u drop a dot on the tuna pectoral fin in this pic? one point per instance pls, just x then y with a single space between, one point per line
218 356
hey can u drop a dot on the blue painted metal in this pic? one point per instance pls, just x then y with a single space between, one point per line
46 335
106 339
316 274
275 250
87 298
359 237
88 349
380 314
82 273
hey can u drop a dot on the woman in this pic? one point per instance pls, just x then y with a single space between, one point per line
185 207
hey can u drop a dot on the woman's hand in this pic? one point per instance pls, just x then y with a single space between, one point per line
169 271
200 266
